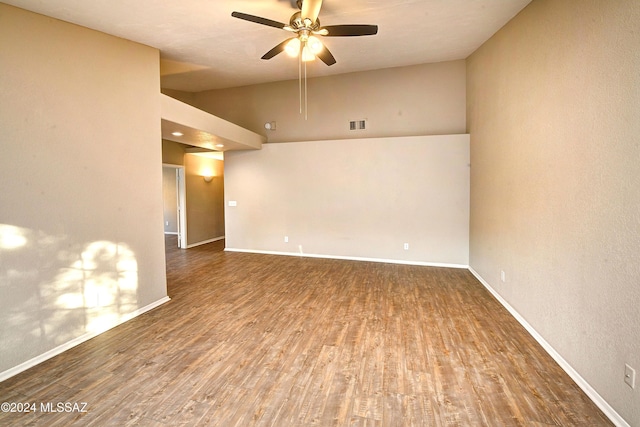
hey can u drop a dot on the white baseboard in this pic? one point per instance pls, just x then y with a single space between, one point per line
204 242
575 376
350 258
76 341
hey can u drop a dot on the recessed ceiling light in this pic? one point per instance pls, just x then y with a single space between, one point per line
220 145
177 133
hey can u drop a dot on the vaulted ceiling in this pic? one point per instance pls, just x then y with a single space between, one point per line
202 47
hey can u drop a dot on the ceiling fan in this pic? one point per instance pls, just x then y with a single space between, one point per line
306 27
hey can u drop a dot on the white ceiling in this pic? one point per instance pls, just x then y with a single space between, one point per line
203 47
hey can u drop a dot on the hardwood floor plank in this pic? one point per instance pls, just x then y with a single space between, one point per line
263 340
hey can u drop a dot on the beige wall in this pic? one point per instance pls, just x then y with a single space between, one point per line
419 100
173 153
553 106
205 200
424 99
186 97
353 198
81 244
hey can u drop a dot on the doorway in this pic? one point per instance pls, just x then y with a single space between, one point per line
174 201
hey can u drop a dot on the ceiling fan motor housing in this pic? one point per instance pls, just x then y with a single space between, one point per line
297 23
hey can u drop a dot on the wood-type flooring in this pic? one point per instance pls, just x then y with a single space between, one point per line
265 340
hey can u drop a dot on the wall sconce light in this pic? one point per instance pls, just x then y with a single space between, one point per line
207 178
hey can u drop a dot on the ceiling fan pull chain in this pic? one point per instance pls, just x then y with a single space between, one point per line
300 79
305 91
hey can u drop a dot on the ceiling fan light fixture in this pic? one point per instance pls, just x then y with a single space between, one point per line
307 54
293 47
315 45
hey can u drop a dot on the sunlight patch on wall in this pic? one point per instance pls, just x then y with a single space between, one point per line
106 280
12 237
55 289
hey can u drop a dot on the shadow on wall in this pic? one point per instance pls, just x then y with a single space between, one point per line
54 290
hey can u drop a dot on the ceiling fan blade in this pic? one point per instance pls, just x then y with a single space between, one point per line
326 56
257 19
350 30
276 50
311 9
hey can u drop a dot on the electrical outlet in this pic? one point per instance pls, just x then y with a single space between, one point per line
503 276
406 246
629 376
166 223
286 239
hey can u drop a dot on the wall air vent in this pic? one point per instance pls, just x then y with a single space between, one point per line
358 124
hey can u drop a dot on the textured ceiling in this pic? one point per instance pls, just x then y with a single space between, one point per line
203 47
